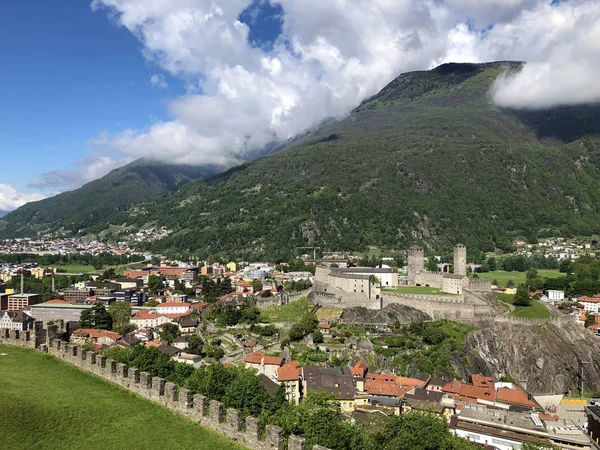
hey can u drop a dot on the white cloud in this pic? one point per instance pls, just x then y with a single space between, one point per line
88 168
11 199
566 66
158 80
334 54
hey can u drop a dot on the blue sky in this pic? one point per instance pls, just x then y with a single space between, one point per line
66 74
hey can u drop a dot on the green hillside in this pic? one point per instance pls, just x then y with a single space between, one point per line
428 160
96 202
49 404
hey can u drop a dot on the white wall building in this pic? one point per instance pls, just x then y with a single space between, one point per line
590 305
555 296
173 308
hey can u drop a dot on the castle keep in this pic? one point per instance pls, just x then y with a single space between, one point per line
460 297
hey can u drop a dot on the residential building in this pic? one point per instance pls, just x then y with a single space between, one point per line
590 305
555 295
16 302
267 365
507 430
83 336
187 325
337 381
77 295
152 319
16 320
173 308
290 374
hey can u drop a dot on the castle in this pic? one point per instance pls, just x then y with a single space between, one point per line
460 297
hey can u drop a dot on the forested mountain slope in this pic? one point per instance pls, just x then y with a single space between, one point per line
97 201
430 159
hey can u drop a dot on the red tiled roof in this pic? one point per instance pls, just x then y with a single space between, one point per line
259 357
97 333
481 381
60 302
325 326
390 385
290 371
359 369
173 304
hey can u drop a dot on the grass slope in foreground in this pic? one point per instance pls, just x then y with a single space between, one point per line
48 404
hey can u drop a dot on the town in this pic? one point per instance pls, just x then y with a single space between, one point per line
291 323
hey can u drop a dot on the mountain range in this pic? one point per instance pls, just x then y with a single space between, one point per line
430 159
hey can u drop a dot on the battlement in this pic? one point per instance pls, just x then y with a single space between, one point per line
197 408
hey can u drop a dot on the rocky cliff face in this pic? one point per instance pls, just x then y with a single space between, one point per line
544 358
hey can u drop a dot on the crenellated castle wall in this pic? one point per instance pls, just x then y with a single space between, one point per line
208 413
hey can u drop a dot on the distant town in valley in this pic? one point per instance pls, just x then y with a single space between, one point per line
380 333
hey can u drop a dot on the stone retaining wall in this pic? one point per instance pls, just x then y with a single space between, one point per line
208 413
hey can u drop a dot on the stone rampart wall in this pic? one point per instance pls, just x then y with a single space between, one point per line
437 306
345 300
208 413
479 285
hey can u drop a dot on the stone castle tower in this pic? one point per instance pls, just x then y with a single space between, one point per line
416 263
460 260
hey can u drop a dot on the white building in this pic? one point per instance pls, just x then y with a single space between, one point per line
555 296
173 308
590 305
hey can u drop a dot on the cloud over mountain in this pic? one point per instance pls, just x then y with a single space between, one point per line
11 199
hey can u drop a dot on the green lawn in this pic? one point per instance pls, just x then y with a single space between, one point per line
517 277
46 403
292 312
537 310
76 268
416 290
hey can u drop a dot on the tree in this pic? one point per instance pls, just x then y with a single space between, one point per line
169 332
96 317
120 313
589 320
432 264
194 345
155 283
317 337
522 296
257 285
152 303
492 263
510 284
246 393
565 266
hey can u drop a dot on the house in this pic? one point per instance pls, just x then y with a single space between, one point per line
180 342
173 308
337 381
325 328
173 352
555 295
188 358
429 400
590 305
84 336
129 340
16 320
359 372
484 390
435 384
149 319
290 375
187 325
267 365
244 286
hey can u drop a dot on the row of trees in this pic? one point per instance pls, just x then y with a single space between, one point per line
98 261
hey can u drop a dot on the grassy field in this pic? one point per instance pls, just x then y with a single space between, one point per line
292 312
48 404
416 290
537 310
517 278
76 268
329 313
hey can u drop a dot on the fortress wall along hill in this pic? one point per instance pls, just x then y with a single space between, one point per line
208 413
